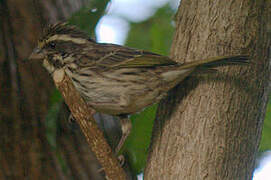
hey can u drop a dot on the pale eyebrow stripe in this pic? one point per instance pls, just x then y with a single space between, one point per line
63 37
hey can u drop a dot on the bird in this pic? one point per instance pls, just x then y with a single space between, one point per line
114 79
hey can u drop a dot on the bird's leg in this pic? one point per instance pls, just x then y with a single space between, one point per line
126 127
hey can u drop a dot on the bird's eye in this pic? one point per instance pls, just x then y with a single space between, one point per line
52 45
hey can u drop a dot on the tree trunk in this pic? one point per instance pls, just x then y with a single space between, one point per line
210 127
25 90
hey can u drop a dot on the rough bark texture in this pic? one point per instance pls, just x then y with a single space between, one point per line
25 90
71 145
84 116
210 127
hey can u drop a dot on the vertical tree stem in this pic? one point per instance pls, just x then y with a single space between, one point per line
211 130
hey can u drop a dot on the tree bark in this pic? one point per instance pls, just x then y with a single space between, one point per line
25 90
84 117
210 127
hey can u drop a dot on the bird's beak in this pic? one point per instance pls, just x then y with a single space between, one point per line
36 54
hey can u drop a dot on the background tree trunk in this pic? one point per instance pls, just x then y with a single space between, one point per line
209 128
25 90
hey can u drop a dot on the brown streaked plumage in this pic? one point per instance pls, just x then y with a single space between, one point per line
114 79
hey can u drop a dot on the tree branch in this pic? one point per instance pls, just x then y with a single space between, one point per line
84 116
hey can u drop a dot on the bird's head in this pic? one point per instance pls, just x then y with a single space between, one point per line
60 44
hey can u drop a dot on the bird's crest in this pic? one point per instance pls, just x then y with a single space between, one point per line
63 28
62 31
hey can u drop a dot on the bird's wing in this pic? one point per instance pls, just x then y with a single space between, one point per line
111 55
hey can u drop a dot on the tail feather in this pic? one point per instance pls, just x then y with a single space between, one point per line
217 61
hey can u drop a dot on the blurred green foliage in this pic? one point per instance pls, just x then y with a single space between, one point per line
154 34
87 17
51 118
136 146
266 133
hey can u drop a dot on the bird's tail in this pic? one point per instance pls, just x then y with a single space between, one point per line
216 62
180 72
